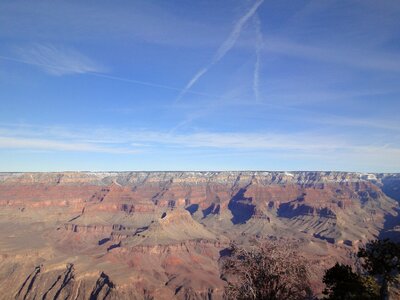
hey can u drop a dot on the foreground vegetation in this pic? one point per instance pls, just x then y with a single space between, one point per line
275 272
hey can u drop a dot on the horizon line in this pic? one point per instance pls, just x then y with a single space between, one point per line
199 171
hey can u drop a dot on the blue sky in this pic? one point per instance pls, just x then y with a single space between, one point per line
200 85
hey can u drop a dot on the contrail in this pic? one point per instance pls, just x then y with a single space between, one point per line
224 48
259 45
102 75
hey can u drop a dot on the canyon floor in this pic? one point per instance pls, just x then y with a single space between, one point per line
163 235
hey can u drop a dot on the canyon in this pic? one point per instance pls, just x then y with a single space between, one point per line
163 235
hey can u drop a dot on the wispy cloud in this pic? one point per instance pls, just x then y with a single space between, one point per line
259 45
57 60
55 138
56 145
106 140
357 122
353 57
224 48
121 141
54 69
325 151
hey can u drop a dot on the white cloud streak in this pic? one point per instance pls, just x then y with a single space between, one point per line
58 60
29 143
84 142
60 70
224 48
30 137
352 57
257 65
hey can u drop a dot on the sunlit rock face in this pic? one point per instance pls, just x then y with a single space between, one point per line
127 235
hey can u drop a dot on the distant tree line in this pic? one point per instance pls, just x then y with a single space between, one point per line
274 271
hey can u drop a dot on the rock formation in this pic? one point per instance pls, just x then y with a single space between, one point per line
136 235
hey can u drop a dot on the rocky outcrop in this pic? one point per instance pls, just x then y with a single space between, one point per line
102 288
173 226
65 284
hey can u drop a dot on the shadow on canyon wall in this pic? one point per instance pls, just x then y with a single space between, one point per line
391 188
241 207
